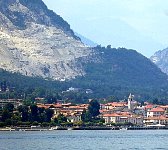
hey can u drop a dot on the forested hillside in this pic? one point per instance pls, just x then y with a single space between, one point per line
111 72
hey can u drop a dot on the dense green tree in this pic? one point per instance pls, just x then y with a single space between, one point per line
111 99
5 115
2 124
41 110
49 114
16 117
39 92
51 99
42 115
8 122
86 116
94 108
34 113
24 110
27 115
155 101
9 107
60 119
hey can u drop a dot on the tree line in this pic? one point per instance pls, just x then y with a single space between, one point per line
26 115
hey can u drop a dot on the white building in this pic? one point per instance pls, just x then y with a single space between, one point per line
155 112
161 120
123 118
74 118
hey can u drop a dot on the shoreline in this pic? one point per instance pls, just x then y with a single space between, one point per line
81 128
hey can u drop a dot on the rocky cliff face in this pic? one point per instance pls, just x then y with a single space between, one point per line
37 42
160 58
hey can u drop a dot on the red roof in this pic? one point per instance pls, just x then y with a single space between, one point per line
116 104
164 106
43 106
157 109
157 118
111 115
149 106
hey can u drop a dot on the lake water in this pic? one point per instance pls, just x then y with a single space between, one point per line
85 140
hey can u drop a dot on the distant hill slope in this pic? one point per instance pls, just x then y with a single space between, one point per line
160 58
111 71
35 41
119 71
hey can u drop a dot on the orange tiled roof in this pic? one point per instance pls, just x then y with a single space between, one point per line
111 115
164 106
67 104
157 109
43 106
157 118
57 105
125 113
150 106
116 104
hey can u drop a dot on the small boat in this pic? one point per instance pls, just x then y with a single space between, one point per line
123 128
70 129
54 128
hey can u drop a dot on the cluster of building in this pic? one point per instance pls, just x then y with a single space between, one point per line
133 112
116 112
72 112
113 112
16 102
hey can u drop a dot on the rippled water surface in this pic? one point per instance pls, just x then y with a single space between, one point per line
85 140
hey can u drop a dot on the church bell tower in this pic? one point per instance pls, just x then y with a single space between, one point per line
130 102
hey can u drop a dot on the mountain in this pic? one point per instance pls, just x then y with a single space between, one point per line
119 71
111 72
37 42
160 58
85 40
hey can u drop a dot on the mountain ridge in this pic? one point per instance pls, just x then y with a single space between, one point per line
44 47
109 73
38 43
160 59
17 11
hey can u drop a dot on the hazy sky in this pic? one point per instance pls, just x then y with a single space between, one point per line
136 24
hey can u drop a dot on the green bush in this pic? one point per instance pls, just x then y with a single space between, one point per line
2 124
35 123
45 124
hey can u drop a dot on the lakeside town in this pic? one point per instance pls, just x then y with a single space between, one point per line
111 115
